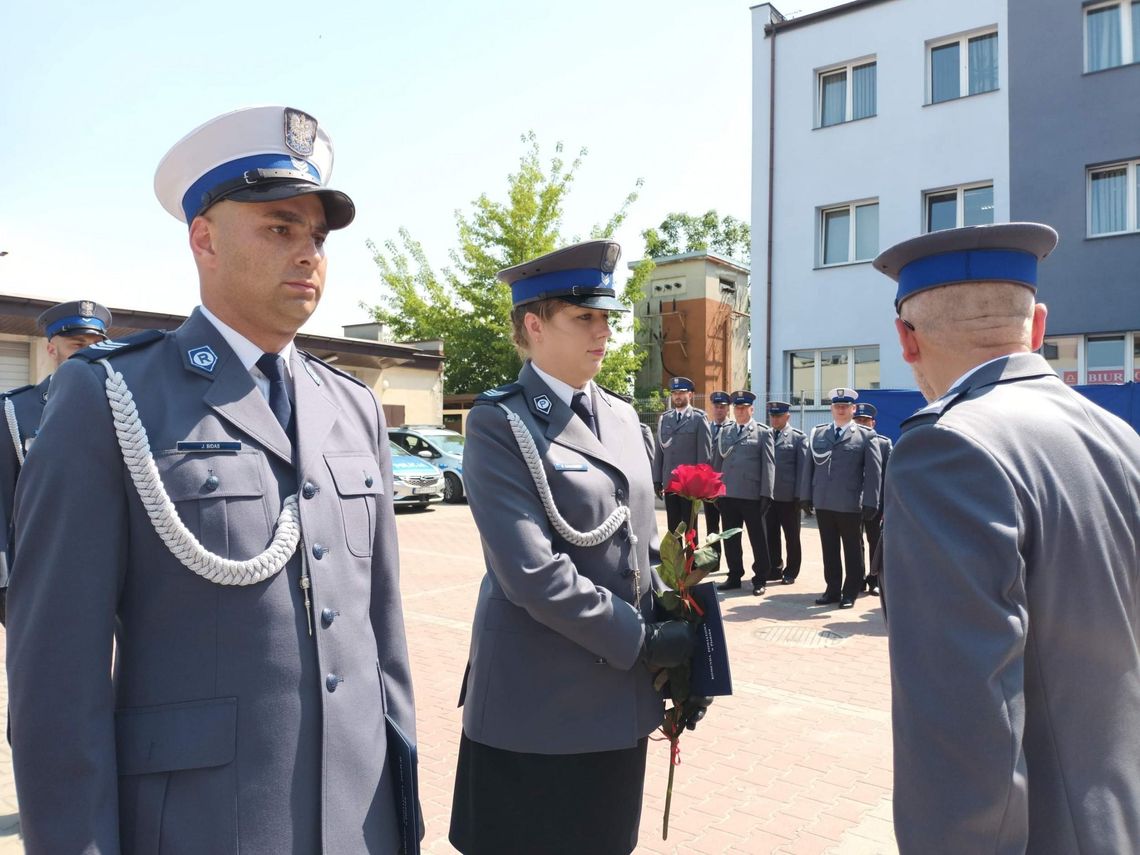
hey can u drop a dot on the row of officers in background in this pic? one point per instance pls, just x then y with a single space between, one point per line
773 473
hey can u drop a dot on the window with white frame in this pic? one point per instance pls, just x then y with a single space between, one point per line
849 233
955 207
1112 34
1094 359
1114 199
961 65
845 92
811 373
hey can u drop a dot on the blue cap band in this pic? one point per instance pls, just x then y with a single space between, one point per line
972 265
192 198
74 322
581 282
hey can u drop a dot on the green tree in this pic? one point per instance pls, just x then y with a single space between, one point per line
680 233
464 305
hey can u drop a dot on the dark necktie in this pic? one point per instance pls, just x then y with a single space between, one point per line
716 429
582 409
838 433
271 365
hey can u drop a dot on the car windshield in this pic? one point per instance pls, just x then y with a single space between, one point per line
397 451
449 443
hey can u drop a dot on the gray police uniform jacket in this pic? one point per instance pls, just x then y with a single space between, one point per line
847 475
28 406
683 441
793 474
745 460
226 727
554 662
1012 572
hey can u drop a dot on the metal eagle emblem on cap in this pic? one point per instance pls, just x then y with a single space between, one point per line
300 131
86 308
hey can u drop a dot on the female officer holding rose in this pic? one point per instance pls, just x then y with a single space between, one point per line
559 698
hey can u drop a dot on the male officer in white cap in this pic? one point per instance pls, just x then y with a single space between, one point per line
239 550
846 476
743 454
68 327
792 487
683 438
1011 569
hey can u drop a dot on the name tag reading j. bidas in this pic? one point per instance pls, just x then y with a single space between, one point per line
210 446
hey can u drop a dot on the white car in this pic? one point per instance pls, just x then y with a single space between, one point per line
415 482
442 447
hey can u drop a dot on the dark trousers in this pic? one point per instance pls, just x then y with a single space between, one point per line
837 527
873 530
712 524
678 510
748 513
784 516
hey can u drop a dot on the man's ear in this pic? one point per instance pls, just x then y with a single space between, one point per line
908 342
201 239
1037 335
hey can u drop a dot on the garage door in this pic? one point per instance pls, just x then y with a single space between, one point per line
14 364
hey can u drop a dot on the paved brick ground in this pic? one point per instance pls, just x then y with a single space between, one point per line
797 761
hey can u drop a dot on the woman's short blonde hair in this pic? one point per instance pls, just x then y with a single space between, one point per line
544 310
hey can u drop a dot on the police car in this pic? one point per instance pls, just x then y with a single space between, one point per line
442 447
415 482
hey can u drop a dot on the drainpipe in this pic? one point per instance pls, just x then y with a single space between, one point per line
771 209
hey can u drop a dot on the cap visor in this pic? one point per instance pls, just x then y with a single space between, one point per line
597 301
339 209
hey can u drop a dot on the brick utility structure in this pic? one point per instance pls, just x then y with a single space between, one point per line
694 321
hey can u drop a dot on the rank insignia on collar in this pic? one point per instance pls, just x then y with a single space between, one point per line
300 131
542 404
203 357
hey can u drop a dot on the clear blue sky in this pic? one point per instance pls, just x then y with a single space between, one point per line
425 103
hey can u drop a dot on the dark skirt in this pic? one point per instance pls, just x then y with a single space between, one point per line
509 803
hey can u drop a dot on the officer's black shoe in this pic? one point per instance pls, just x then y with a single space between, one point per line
825 600
847 603
730 585
789 580
758 590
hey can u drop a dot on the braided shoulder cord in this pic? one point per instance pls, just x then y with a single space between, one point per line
14 428
178 539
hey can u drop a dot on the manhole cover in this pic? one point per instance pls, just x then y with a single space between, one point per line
797 636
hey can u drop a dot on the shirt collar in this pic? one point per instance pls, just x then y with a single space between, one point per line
963 378
562 390
243 348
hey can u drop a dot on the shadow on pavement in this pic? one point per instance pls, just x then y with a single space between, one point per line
802 608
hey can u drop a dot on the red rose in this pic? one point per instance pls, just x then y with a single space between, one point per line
696 482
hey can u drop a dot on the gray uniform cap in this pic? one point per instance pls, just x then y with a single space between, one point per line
582 274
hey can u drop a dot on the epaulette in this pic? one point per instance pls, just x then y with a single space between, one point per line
16 391
619 395
493 396
338 371
797 430
110 348
933 411
701 412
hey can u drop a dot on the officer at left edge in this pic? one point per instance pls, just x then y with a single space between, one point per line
206 648
68 327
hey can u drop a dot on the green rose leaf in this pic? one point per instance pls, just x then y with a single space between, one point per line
715 537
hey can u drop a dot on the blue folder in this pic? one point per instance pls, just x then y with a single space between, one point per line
405 784
710 676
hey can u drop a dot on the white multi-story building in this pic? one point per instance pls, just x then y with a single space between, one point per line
872 122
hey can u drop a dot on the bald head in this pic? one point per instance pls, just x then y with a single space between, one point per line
956 327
